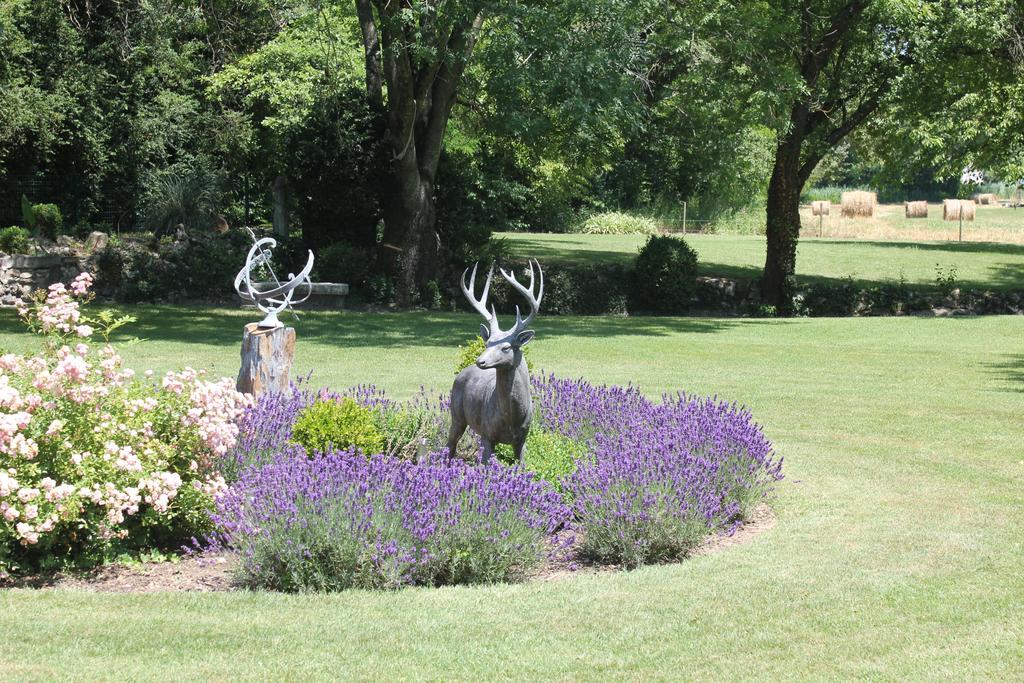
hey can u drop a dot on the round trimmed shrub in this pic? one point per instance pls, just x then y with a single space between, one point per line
14 240
329 425
48 220
664 276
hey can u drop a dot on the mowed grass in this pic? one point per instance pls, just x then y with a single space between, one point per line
897 552
978 265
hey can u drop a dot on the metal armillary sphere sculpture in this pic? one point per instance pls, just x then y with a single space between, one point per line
274 300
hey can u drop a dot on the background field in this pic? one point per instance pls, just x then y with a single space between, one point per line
896 554
991 224
980 265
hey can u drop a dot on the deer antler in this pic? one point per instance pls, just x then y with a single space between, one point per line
533 299
469 291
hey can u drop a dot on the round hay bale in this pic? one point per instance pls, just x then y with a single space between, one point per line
858 204
967 207
820 208
957 209
950 209
987 198
916 209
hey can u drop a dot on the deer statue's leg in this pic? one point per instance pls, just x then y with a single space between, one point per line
487 448
520 450
454 434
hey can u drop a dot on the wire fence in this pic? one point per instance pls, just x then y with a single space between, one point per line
49 191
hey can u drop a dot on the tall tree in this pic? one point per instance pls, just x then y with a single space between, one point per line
419 50
417 54
849 61
844 62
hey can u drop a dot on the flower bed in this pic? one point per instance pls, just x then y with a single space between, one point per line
95 461
639 481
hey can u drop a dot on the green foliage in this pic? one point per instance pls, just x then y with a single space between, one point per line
407 429
549 455
98 96
47 220
469 352
664 276
616 223
43 220
829 193
747 221
201 266
14 240
945 279
336 167
329 425
891 297
381 289
430 296
830 298
570 289
343 262
586 290
473 347
186 197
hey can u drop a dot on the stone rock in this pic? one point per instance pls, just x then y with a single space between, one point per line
96 241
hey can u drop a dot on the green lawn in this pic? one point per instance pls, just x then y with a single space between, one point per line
897 552
980 265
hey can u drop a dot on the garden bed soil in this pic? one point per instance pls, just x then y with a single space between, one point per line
212 572
196 573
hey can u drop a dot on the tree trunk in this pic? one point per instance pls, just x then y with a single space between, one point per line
410 239
267 356
280 195
783 226
420 99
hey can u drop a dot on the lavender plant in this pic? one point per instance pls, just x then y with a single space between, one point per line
663 476
643 482
342 520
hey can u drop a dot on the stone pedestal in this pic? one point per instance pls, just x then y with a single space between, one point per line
267 356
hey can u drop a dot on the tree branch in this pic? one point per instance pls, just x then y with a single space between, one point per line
866 107
460 47
817 55
371 52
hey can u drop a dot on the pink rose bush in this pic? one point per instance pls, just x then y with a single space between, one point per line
95 461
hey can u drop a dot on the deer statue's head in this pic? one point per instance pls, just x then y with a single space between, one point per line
503 347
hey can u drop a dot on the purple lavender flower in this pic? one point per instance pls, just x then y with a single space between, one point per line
341 520
660 477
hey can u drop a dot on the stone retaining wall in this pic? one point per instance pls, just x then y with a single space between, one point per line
21 273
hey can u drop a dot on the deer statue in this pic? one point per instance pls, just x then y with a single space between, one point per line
493 395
